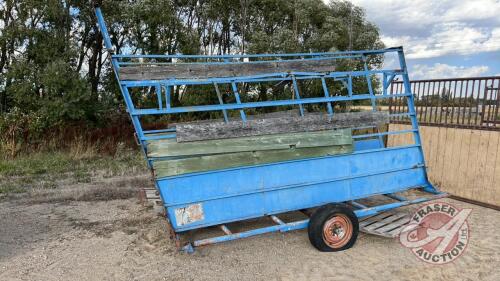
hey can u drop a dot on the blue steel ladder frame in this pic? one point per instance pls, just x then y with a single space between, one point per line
163 90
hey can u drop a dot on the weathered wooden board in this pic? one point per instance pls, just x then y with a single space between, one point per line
387 224
203 71
171 148
165 168
276 114
188 132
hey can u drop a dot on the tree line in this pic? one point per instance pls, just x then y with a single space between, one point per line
55 72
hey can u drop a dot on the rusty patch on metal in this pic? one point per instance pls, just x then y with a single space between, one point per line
189 214
337 231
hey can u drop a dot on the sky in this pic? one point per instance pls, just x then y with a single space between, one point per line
441 38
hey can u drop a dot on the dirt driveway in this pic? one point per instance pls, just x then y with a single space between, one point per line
121 240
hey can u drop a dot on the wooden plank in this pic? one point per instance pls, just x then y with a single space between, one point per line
492 195
465 166
452 169
448 162
479 152
187 132
373 219
384 222
164 168
401 221
170 148
396 231
276 114
213 70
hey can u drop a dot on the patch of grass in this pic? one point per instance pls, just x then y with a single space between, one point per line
88 194
10 189
46 170
49 185
82 176
15 185
36 164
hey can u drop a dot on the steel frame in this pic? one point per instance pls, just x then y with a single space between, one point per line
369 145
472 102
362 211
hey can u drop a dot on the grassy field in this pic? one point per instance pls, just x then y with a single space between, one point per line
52 172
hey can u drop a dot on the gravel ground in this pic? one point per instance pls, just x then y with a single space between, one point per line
122 240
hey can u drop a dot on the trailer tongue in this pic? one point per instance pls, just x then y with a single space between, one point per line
246 166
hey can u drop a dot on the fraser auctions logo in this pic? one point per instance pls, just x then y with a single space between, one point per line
438 233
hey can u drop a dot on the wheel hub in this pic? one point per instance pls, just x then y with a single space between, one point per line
337 231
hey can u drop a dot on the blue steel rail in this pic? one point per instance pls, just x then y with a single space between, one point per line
236 194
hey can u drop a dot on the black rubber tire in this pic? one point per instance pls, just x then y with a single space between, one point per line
321 216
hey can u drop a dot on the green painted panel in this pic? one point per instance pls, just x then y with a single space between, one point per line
164 168
170 148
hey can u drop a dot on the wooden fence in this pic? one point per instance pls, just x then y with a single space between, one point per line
463 162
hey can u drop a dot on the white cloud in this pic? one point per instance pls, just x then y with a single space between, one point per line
424 13
472 10
440 70
430 29
391 62
448 38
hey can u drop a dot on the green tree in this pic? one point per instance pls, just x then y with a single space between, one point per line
55 72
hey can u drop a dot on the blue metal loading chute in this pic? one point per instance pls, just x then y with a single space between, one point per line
329 183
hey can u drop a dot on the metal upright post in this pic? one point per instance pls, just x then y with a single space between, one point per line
297 94
372 94
411 108
238 101
124 90
221 101
327 94
158 95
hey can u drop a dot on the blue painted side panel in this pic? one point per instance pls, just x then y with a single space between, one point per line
247 192
272 202
196 187
367 144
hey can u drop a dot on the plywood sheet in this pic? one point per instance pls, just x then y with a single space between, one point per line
165 168
170 148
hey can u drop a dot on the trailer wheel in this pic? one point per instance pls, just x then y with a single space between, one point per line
333 227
